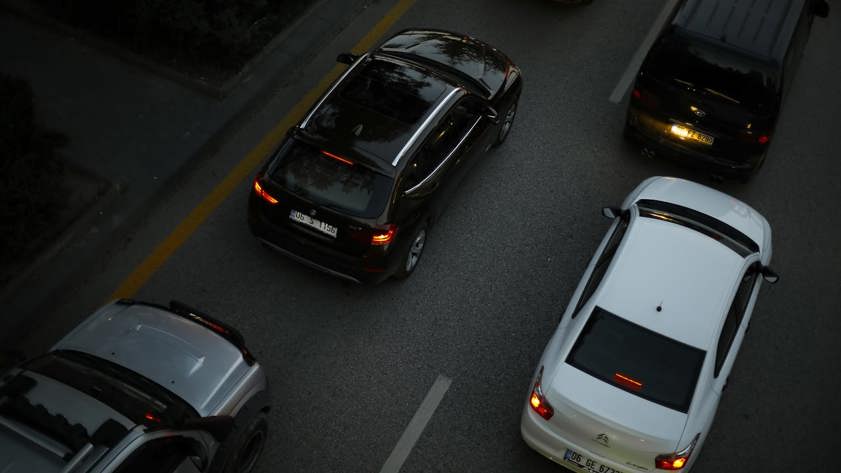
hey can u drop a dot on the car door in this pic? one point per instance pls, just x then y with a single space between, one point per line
735 325
477 136
164 454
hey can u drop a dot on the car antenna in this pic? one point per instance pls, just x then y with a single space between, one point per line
660 307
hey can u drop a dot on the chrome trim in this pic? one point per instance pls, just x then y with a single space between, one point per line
330 91
311 264
80 455
442 163
432 115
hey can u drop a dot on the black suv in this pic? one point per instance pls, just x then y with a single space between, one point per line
712 85
353 189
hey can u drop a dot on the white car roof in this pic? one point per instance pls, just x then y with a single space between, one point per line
719 205
688 274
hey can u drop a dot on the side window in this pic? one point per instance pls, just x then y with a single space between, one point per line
603 263
734 317
162 455
442 140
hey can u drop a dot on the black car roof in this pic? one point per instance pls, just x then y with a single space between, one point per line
379 108
762 28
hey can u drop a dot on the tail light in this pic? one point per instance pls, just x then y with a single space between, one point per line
258 189
538 401
645 98
384 236
763 139
677 460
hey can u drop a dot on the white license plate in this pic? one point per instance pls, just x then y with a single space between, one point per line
689 134
305 219
586 464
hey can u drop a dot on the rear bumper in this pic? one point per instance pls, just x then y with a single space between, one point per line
540 438
644 129
366 269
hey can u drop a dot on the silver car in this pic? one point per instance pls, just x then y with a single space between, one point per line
137 387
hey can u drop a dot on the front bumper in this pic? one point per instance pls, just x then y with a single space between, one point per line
647 130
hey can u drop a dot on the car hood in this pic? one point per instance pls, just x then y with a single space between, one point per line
183 357
609 421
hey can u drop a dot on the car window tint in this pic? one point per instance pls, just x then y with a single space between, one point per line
637 360
394 90
602 264
443 140
734 318
718 75
314 175
161 455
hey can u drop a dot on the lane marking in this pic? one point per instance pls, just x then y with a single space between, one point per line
247 166
416 425
636 61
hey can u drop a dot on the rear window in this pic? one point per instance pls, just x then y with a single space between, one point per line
314 175
716 73
637 360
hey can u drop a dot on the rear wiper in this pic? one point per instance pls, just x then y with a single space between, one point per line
719 94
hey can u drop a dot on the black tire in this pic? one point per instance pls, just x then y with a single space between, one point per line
413 254
506 122
241 451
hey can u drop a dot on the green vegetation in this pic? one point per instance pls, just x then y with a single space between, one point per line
197 36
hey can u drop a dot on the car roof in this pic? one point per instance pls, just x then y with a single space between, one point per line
762 28
380 109
689 275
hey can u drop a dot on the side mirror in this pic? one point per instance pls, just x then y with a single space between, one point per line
492 115
820 8
347 58
611 212
769 275
219 427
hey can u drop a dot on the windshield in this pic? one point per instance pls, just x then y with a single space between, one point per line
716 73
331 180
713 228
637 360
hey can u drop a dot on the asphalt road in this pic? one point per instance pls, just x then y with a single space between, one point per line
350 365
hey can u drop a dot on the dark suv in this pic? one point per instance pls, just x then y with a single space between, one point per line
712 86
354 188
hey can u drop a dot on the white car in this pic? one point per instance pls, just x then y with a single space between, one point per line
631 379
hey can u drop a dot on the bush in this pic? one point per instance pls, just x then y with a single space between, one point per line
220 33
31 183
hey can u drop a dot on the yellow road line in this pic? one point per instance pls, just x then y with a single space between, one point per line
143 272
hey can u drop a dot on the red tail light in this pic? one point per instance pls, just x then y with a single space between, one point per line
258 189
337 158
627 381
763 139
677 460
152 417
645 98
538 401
384 236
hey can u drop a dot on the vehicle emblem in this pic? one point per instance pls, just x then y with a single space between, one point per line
697 111
602 439
312 213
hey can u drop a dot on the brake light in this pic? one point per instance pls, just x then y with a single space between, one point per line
337 158
645 98
677 460
258 189
636 94
626 381
152 417
538 401
763 139
384 237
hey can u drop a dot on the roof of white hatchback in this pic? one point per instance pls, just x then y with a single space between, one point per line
688 274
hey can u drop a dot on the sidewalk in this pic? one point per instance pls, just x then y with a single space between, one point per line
137 129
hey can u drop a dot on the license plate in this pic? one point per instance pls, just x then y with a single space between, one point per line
586 464
305 219
689 134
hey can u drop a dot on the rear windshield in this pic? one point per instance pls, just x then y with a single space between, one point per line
716 73
330 181
637 360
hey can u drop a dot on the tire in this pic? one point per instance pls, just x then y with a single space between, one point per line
413 254
507 122
240 452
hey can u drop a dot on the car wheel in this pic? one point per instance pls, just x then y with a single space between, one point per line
244 449
413 254
507 122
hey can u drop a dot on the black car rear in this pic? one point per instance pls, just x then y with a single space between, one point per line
711 88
